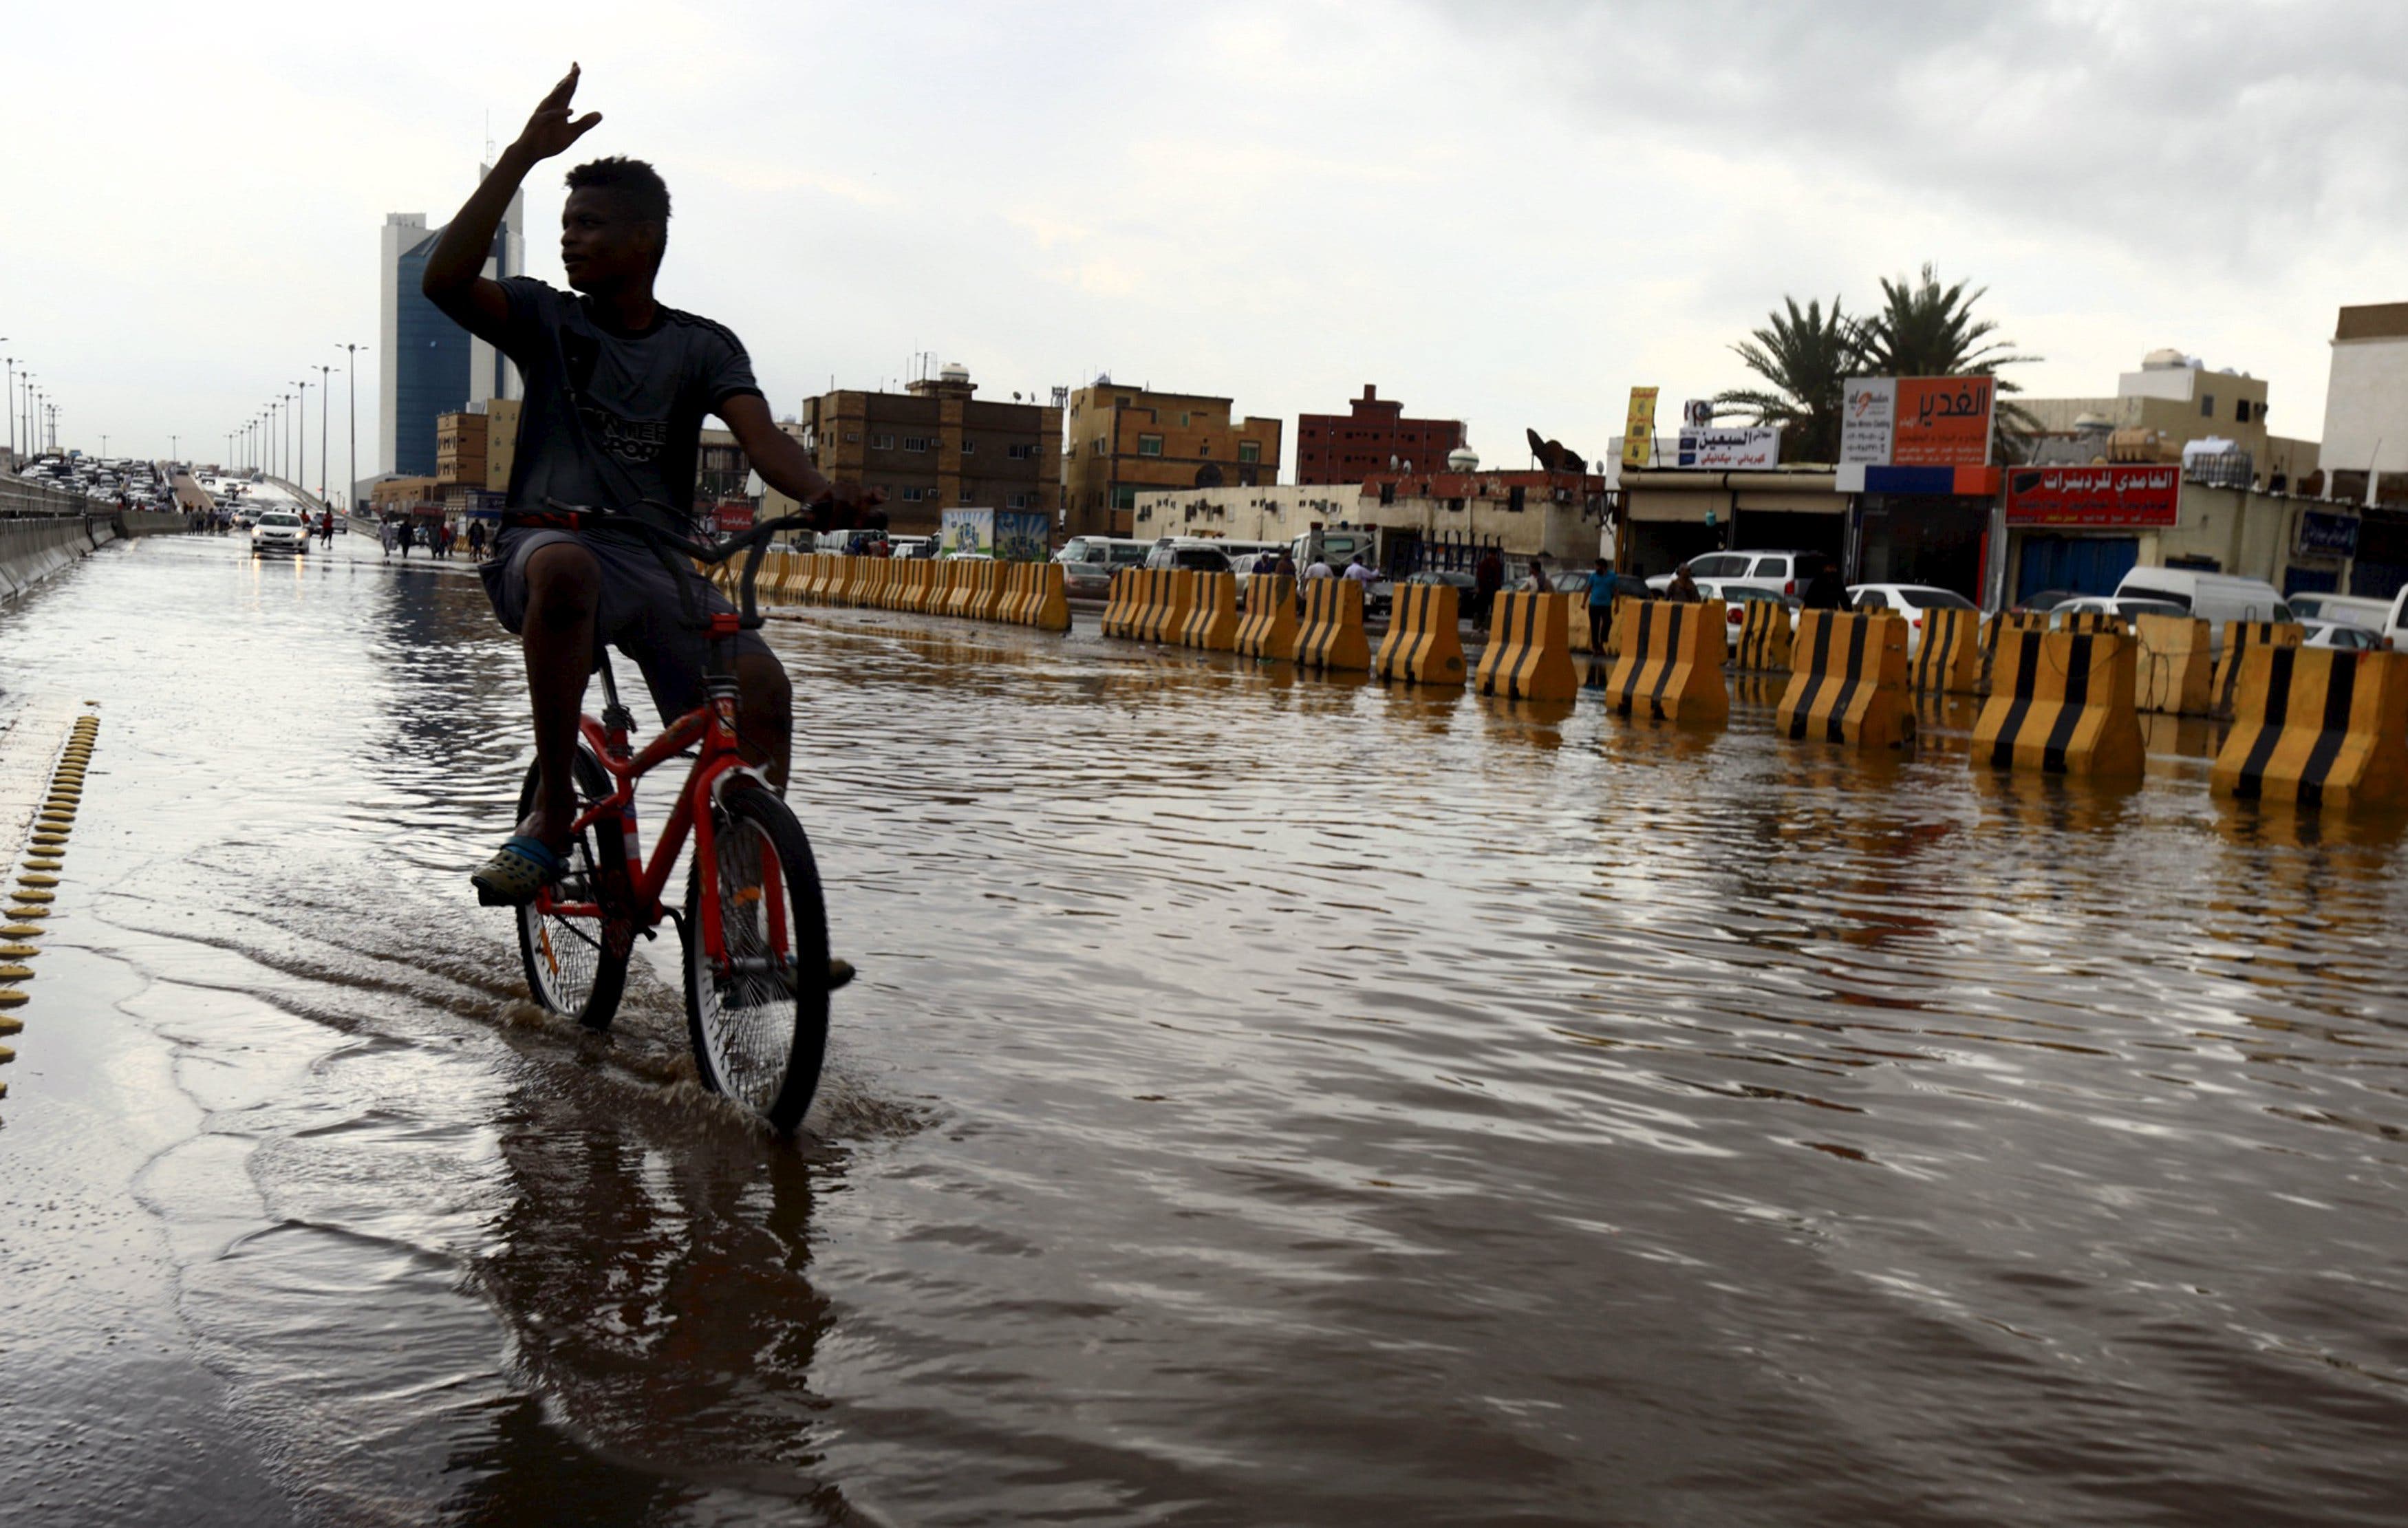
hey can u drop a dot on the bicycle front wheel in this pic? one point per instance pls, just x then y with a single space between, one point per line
757 1012
576 964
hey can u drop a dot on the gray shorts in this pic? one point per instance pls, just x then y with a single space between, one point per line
639 612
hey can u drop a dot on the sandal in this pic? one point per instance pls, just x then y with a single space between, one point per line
520 869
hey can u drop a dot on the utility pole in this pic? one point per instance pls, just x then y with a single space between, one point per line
301 439
326 388
351 367
12 405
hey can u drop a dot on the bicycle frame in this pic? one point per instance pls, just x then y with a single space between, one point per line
710 729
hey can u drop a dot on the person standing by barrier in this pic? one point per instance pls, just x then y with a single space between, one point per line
1361 572
1826 590
1488 577
1683 590
1536 582
1600 605
1319 569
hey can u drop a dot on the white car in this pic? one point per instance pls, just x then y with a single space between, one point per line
279 530
1736 598
2347 635
1783 573
2127 606
1910 600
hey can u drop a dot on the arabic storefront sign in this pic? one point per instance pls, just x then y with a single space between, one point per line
1732 450
2327 535
2093 496
1638 432
1868 408
1943 421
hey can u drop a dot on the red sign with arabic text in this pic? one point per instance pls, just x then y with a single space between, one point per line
733 515
2093 496
1943 421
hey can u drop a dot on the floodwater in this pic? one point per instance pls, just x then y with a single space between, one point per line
1265 1101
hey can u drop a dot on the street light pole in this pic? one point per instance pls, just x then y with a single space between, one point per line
326 388
352 368
12 408
301 440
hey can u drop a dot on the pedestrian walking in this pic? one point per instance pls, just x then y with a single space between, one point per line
1286 564
477 539
1600 605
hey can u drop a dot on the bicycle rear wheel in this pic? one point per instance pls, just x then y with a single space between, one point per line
577 964
758 1017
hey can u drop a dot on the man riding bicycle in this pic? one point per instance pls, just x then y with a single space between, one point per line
616 388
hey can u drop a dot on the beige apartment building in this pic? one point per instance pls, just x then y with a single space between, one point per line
936 446
2173 400
1124 441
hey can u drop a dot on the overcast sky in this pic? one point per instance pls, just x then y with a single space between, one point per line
1508 213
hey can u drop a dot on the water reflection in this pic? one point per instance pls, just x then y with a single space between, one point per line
1267 1099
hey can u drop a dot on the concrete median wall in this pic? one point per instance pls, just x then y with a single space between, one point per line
33 550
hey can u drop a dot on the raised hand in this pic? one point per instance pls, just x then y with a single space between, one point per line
551 130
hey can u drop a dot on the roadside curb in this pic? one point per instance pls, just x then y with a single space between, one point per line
44 818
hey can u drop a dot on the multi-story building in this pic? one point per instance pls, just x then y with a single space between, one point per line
935 447
429 365
1372 437
1123 441
2172 400
501 442
460 449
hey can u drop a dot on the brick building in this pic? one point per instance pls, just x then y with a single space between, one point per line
460 449
1372 437
936 448
1122 441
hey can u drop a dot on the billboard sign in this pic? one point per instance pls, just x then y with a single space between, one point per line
2328 535
1740 451
1867 409
1638 431
2093 496
1008 535
1943 421
1697 414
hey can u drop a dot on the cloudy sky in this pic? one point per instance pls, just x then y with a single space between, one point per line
1506 212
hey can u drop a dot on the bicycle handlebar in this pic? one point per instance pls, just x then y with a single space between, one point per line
755 541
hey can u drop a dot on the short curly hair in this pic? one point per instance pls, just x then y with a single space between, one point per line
646 194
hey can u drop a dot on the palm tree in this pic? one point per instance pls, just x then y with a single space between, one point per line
1924 329
1806 356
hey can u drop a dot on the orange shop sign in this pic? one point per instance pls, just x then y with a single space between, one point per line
1943 421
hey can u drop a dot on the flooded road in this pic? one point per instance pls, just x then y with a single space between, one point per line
1265 1101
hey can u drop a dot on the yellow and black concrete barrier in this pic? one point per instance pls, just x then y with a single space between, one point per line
1847 682
1997 626
1670 666
2318 726
2090 623
37 885
2239 637
1764 636
1425 640
1948 656
1268 630
1529 655
1212 622
2062 703
2176 671
1165 607
1330 635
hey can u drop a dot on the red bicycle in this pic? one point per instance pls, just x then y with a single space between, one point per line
754 925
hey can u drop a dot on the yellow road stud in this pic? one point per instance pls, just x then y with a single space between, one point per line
22 931
30 912
10 1024
18 951
37 880
11 998
36 896
15 973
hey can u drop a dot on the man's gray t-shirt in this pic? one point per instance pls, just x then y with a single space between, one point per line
611 418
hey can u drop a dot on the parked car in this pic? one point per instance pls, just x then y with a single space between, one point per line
2352 609
1910 600
2214 597
2347 635
1089 561
2394 630
1775 572
2047 599
1625 587
279 530
1197 556
1737 597
2130 609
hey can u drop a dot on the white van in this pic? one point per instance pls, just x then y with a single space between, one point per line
2394 627
2369 613
2214 598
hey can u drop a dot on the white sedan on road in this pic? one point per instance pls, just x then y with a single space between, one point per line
1910 600
279 530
